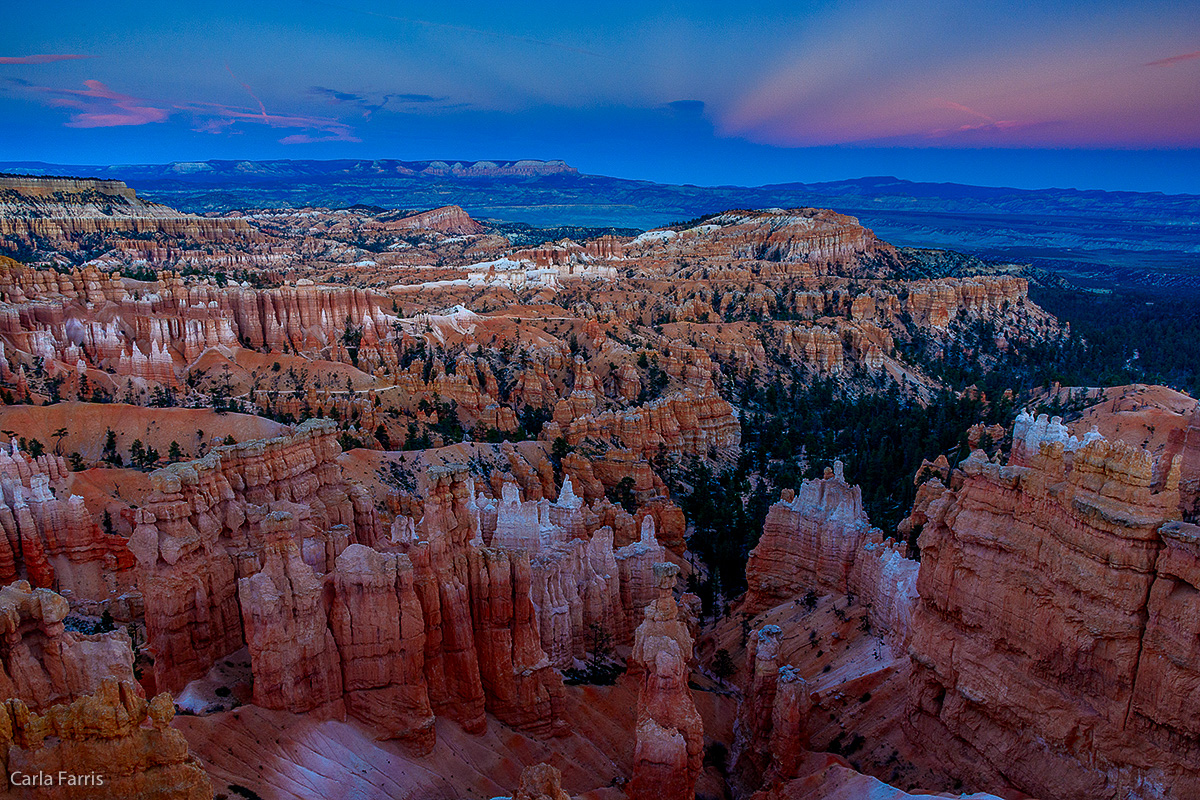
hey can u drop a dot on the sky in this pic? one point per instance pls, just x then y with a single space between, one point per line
991 92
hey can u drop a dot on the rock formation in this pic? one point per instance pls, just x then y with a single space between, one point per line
99 747
541 782
670 735
207 524
50 538
1185 442
62 210
42 663
821 539
806 235
379 627
292 650
769 734
1054 643
689 422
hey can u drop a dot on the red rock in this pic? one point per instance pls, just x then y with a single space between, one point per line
379 628
42 663
770 735
521 686
541 782
103 735
670 735
207 524
1185 442
1053 599
41 530
293 653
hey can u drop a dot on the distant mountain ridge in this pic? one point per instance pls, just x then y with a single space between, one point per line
276 169
1077 231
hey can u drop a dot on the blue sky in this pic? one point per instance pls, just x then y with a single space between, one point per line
1091 95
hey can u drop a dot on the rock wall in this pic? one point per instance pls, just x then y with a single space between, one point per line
1054 645
207 523
105 741
62 210
1185 442
810 236
820 539
521 686
690 422
379 627
293 653
50 539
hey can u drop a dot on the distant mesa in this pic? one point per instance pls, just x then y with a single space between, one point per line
216 170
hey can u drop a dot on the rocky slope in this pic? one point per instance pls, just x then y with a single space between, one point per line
819 539
452 508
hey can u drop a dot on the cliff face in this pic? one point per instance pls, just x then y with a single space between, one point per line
379 627
821 539
813 236
51 539
447 219
209 521
104 739
690 421
1185 442
293 653
63 210
1054 644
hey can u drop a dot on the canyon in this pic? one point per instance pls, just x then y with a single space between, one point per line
295 503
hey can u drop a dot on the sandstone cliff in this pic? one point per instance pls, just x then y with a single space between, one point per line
50 537
43 664
820 539
207 525
63 210
1053 644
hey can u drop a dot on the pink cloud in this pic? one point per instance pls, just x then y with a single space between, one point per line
1166 62
100 107
45 58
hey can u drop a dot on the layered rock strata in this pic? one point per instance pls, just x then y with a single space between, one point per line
293 653
379 627
1054 646
769 734
820 539
50 538
41 662
207 524
1185 442
103 746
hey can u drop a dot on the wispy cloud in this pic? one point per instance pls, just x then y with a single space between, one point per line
479 32
371 102
98 106
221 118
218 118
1166 62
45 58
